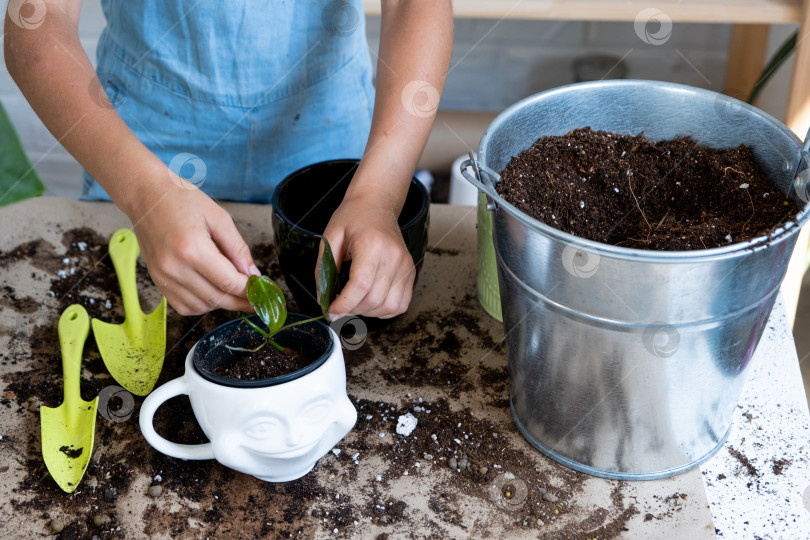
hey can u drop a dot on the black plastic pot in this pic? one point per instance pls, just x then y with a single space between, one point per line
313 339
302 207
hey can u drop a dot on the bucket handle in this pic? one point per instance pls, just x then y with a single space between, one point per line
806 147
801 184
483 178
801 180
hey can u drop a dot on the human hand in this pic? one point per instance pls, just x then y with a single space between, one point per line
194 253
382 273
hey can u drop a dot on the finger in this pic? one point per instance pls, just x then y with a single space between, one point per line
198 253
406 300
197 296
402 281
373 303
175 294
213 297
231 244
361 280
190 292
183 301
220 271
408 296
178 305
398 298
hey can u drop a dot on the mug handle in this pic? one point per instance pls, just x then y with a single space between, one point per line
150 405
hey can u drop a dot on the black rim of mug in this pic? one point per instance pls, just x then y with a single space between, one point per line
209 341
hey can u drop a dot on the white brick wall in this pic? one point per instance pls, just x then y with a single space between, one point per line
513 60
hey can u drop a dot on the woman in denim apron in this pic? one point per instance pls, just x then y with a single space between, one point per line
202 99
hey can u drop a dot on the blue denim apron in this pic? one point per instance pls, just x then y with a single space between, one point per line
233 96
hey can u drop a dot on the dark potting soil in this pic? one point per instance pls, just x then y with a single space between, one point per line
428 356
633 192
779 465
266 363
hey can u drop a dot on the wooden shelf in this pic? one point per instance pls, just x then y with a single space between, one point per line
749 39
701 11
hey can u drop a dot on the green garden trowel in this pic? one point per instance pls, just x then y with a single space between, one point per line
69 429
132 351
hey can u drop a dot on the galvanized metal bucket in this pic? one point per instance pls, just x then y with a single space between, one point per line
626 363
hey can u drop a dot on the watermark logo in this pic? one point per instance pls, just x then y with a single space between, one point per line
340 18
580 261
801 184
351 330
661 341
104 92
28 14
508 492
653 26
189 170
731 110
420 99
115 404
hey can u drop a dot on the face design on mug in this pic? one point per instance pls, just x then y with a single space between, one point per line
294 435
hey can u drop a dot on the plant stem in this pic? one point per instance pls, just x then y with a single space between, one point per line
279 347
259 330
267 336
257 349
242 349
299 322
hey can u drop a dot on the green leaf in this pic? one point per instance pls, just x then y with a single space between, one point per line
327 279
773 64
18 179
268 301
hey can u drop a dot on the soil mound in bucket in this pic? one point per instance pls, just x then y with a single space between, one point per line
630 191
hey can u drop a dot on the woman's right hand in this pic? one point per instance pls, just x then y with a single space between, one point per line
194 253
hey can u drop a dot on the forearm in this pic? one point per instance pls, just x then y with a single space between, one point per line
415 46
58 80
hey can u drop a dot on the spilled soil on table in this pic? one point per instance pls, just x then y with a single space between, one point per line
459 459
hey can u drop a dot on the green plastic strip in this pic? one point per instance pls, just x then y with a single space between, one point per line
18 179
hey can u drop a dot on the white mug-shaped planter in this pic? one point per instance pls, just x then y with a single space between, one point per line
274 429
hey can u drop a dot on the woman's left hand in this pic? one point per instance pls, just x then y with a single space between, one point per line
382 273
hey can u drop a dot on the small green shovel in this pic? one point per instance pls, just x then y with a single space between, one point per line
69 429
132 351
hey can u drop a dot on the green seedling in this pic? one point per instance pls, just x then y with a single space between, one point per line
268 300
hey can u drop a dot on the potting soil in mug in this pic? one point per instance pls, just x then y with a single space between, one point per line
266 363
633 192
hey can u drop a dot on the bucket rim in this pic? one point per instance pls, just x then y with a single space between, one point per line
734 249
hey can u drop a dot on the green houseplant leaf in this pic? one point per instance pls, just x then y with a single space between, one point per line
327 279
18 179
268 301
779 57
